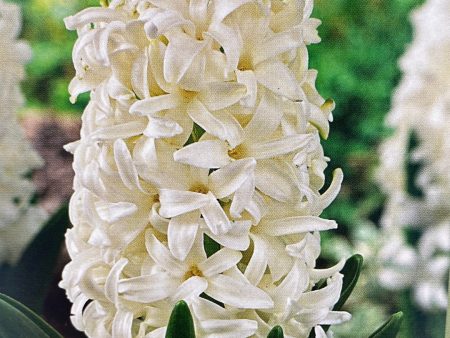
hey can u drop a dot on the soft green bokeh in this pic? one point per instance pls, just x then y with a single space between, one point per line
50 70
357 62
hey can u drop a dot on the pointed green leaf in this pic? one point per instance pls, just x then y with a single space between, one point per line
390 328
351 272
16 320
29 280
38 321
181 324
276 332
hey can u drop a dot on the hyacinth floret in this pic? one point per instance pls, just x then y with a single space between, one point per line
203 130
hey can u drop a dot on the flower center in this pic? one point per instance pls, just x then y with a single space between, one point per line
193 271
238 152
245 63
188 95
200 188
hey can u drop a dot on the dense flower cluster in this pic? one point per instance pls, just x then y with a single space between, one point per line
421 109
203 131
19 221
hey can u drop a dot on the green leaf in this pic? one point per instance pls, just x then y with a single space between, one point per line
276 332
181 324
351 272
29 280
16 320
210 245
390 328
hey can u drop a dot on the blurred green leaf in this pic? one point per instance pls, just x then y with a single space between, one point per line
351 272
5 305
389 329
276 332
29 280
181 324
18 321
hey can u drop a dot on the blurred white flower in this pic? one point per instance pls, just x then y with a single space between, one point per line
19 221
203 128
420 110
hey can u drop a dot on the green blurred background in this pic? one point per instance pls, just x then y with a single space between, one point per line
357 63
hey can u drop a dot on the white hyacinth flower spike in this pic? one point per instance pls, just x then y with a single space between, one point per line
199 171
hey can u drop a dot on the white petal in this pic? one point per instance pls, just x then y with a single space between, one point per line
190 288
163 21
318 274
177 202
325 297
146 289
140 76
241 295
201 116
162 256
278 260
155 104
277 77
278 147
111 284
248 79
124 161
297 225
93 14
198 11
293 284
219 95
112 212
230 41
221 9
228 328
121 324
258 262
219 262
180 54
235 133
336 317
204 154
123 130
330 194
273 170
162 127
278 44
214 216
236 239
243 196
223 182
181 234
266 119
319 332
